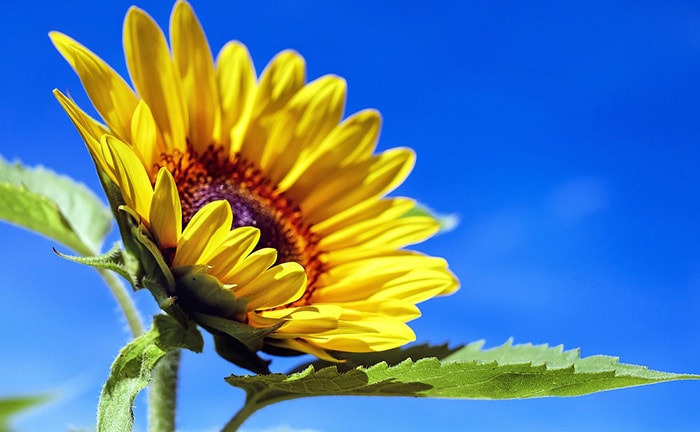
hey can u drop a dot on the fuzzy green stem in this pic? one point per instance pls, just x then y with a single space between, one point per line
126 304
162 393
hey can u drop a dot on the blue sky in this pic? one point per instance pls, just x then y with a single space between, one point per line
563 134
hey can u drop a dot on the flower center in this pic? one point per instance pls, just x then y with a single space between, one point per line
254 201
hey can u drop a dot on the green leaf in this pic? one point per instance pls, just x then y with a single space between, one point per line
506 372
11 406
53 205
217 310
131 371
112 260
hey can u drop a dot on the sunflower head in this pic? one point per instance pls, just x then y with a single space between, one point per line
253 207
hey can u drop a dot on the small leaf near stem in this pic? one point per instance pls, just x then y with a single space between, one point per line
105 265
132 370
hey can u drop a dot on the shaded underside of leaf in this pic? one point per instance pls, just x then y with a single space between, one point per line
53 205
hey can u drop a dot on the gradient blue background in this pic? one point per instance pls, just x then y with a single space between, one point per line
565 136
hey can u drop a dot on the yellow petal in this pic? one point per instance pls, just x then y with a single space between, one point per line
130 175
364 332
351 141
404 275
238 244
383 210
194 61
306 120
154 76
402 310
89 130
146 137
251 268
303 320
280 80
282 284
237 85
203 234
111 95
357 182
378 235
166 212
412 287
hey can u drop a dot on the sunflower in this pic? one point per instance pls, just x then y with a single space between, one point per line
259 184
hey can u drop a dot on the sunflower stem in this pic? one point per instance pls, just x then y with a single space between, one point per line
125 302
162 393
241 416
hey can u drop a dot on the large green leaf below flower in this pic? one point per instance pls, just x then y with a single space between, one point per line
507 372
53 205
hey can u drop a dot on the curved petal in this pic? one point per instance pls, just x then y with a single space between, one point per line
280 285
415 276
146 138
352 140
203 234
251 268
166 212
194 61
381 210
130 175
413 286
364 332
357 182
111 95
280 80
401 310
155 77
300 321
239 243
311 114
89 129
382 235
237 86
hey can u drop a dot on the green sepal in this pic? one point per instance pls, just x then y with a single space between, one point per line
252 338
112 260
237 353
54 206
14 405
204 293
238 342
216 309
173 335
506 372
131 371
